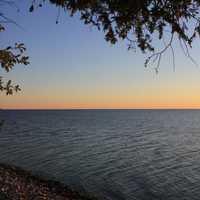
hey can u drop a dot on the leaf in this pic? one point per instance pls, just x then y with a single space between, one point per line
31 8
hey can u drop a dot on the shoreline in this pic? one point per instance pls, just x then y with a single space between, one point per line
19 184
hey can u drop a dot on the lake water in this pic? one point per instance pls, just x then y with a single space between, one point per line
115 154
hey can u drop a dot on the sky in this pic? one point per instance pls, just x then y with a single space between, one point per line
73 67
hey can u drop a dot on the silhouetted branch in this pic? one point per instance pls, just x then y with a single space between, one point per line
158 55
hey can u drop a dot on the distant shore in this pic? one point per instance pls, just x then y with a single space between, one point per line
18 184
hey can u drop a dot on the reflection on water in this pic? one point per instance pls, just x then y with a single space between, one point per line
117 154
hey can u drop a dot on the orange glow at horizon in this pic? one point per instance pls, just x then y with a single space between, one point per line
123 101
178 92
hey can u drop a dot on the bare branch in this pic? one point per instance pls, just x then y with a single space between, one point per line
156 57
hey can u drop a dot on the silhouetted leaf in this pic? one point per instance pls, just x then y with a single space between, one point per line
31 8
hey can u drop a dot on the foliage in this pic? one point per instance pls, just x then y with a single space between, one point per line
9 57
139 22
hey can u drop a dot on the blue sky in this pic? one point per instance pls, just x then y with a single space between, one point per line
72 66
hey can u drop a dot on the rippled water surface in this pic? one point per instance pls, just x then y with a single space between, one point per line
117 154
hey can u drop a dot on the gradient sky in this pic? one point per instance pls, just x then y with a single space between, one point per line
72 66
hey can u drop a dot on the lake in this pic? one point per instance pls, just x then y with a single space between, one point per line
113 154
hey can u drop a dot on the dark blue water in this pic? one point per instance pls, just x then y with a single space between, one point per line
117 154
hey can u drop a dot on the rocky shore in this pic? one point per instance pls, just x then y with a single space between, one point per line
17 184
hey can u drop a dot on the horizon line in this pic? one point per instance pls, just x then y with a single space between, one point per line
172 108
